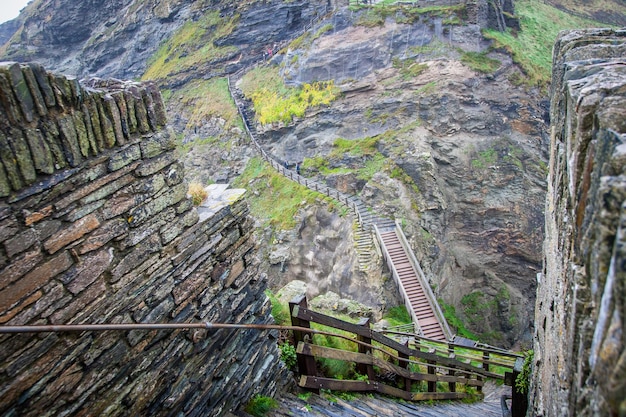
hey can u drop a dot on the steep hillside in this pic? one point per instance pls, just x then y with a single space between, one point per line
610 12
436 125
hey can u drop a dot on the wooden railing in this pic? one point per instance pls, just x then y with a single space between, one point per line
494 361
417 369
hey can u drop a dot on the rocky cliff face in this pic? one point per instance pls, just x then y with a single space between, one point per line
473 148
580 355
96 227
118 38
468 143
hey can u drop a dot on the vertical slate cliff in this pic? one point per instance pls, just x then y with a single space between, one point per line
96 227
580 355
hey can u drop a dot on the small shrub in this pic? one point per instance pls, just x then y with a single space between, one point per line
288 355
260 406
197 192
280 311
522 382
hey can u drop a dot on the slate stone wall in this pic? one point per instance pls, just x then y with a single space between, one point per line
580 316
96 227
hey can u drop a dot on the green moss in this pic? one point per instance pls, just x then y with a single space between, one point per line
480 62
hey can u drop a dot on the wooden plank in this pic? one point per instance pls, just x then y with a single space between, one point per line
422 396
360 358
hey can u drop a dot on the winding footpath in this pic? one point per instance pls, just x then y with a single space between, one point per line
418 297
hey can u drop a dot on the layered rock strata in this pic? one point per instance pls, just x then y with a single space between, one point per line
580 355
96 227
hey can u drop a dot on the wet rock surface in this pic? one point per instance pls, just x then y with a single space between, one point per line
580 351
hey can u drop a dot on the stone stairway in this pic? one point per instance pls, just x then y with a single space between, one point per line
364 246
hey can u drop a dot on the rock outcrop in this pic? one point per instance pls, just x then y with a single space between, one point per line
118 38
580 338
472 150
95 227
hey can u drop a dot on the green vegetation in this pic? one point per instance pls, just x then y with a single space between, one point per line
372 166
355 147
476 307
397 316
532 46
485 159
408 68
260 406
434 48
274 102
503 151
375 15
449 312
191 45
272 198
480 62
522 382
208 98
280 311
288 355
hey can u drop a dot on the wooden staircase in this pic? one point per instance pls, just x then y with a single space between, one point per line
419 300
417 297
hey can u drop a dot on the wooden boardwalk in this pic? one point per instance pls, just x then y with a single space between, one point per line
381 406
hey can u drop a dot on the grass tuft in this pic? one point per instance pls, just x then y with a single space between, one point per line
197 192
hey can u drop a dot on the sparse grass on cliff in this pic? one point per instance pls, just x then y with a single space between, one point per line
272 198
531 48
197 192
480 62
275 102
375 15
191 45
205 99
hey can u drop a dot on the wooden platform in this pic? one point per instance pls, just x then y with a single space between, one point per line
361 405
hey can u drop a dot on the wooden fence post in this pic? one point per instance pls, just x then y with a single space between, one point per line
405 364
485 360
432 385
452 372
519 401
362 368
306 364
